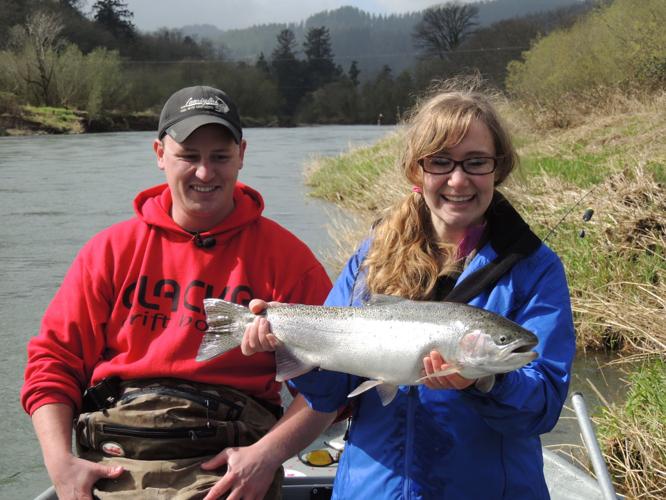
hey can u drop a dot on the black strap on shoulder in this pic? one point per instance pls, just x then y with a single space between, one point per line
511 238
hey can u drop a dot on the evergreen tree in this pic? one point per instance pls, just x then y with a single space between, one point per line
286 70
286 47
353 73
115 17
262 64
320 68
377 98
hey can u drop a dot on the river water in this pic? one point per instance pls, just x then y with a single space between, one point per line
57 191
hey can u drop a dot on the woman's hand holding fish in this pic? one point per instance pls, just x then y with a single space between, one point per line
257 336
435 363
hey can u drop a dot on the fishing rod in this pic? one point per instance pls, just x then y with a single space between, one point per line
580 408
587 215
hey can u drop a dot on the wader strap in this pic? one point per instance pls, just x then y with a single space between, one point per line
106 393
102 395
164 419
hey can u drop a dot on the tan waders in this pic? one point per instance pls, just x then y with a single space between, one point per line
161 431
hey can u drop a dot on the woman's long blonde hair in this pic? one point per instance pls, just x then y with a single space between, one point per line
406 258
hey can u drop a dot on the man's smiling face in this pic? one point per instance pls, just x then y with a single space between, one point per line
201 173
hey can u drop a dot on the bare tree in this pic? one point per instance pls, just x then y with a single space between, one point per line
38 40
444 28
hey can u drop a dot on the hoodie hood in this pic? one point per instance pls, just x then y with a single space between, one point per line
153 206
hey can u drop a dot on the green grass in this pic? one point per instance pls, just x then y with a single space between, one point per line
583 171
658 170
635 434
347 178
591 263
59 120
647 392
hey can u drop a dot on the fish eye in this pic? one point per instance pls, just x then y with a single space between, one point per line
502 339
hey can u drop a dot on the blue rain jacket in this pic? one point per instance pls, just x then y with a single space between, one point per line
446 444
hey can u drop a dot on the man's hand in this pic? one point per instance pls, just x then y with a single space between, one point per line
250 470
249 475
258 336
435 363
74 478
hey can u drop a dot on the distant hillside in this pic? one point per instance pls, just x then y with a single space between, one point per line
372 40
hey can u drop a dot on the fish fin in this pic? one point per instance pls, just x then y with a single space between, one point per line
441 373
365 386
288 366
226 324
387 393
485 384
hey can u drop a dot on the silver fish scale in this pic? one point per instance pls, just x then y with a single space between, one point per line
341 339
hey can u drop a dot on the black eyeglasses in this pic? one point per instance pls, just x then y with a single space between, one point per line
440 165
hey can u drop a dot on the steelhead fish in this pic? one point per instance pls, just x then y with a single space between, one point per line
384 341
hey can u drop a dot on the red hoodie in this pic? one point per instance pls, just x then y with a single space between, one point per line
132 302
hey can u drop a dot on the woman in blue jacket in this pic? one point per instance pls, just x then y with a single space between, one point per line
455 237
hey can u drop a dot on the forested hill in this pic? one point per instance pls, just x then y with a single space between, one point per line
372 40
341 66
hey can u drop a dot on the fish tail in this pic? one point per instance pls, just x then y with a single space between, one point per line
226 324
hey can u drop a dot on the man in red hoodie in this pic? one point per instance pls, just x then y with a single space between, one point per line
128 320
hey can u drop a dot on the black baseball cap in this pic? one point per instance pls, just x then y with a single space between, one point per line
192 107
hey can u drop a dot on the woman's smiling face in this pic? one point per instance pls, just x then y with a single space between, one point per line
458 200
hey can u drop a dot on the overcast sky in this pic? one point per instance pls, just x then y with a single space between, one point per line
225 14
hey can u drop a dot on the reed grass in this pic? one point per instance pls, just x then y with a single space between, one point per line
634 434
617 271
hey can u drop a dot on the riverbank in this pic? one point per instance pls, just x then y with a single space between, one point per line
44 120
31 120
614 163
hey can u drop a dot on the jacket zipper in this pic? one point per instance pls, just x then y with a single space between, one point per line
192 433
409 440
